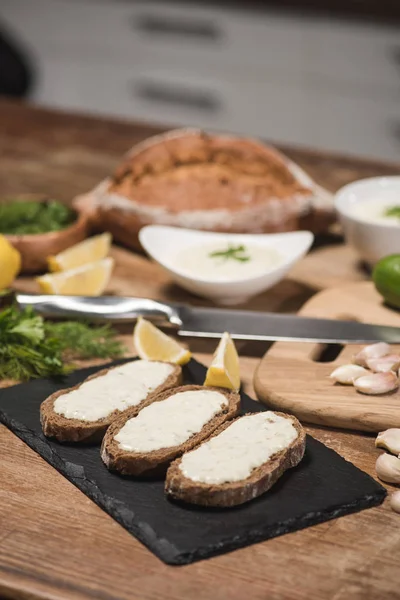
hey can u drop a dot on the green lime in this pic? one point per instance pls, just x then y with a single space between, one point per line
386 277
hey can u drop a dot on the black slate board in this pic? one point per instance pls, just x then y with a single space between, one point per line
322 487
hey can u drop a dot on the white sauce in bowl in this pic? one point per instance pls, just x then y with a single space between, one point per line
227 261
374 209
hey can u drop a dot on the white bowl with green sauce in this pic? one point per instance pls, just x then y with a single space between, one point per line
227 268
369 210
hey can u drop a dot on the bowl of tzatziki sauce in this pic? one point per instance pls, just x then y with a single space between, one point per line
369 210
224 267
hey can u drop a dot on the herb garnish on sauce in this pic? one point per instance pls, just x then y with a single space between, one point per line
232 252
393 211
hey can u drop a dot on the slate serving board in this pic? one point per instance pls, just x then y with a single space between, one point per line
324 486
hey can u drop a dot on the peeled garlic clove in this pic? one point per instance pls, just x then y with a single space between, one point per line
388 468
373 351
395 501
390 362
390 440
377 383
347 374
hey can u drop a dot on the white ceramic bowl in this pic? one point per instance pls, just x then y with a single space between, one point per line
372 240
163 244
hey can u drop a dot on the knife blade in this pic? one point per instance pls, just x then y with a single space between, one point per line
192 321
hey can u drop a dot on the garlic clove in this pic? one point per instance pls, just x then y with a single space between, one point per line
388 468
377 383
390 362
390 440
347 374
373 351
395 501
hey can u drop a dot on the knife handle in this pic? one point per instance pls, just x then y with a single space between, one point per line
104 308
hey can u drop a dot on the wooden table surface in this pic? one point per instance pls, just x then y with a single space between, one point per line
56 543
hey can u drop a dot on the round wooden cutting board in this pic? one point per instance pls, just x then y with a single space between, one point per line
291 377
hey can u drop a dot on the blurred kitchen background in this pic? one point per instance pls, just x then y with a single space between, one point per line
323 74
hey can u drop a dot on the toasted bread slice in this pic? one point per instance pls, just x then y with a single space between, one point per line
126 387
179 419
240 461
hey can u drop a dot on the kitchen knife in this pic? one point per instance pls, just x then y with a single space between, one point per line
194 321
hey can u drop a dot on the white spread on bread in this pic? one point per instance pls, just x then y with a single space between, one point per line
170 422
119 389
245 445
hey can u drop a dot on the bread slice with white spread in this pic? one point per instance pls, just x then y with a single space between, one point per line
84 412
146 442
240 461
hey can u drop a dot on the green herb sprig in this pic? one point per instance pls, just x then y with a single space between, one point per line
81 340
32 348
24 217
237 253
393 211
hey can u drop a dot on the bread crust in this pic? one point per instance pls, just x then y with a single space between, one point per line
261 479
187 178
74 430
156 461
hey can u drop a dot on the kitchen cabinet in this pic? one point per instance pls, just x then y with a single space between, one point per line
298 79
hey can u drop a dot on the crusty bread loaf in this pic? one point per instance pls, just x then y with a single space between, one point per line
156 461
227 494
74 430
188 178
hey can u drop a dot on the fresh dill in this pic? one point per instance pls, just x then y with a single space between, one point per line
31 347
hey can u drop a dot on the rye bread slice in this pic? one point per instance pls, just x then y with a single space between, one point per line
260 480
157 461
74 430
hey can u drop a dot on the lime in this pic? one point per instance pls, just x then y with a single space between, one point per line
386 277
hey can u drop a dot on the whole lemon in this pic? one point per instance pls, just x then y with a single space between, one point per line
10 263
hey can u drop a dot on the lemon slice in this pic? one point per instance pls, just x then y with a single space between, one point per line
224 370
10 263
153 344
87 280
89 251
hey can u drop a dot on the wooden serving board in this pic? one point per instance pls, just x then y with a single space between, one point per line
290 378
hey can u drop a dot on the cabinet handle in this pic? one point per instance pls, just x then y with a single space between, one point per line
395 130
396 55
170 26
173 94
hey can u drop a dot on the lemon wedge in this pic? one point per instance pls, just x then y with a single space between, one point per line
87 280
153 344
10 263
224 370
89 251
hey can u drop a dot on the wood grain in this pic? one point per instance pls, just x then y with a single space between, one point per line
290 379
54 542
